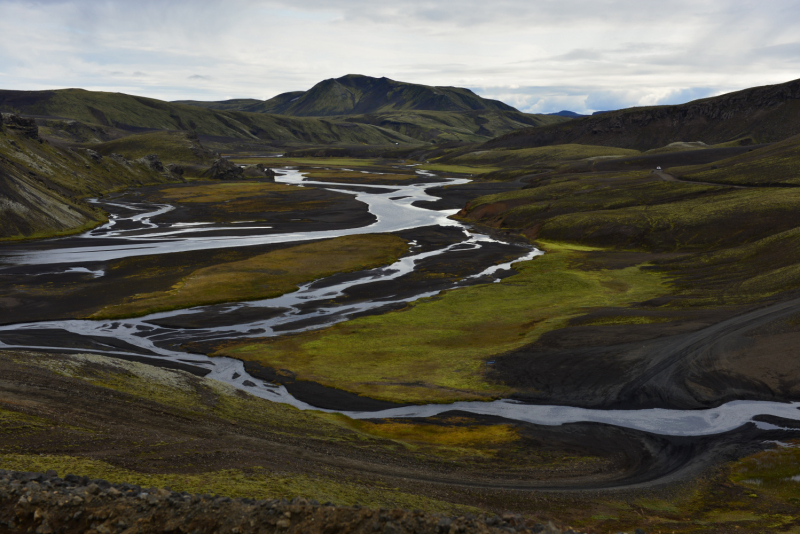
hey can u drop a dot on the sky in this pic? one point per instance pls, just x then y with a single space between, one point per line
539 56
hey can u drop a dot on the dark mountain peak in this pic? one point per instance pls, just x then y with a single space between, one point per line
567 113
358 94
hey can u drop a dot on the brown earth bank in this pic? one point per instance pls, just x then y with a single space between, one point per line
46 503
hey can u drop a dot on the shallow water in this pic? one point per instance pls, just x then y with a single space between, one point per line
146 237
138 232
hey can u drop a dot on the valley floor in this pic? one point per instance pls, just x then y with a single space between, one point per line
663 312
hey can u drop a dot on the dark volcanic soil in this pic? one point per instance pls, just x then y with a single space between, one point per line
700 359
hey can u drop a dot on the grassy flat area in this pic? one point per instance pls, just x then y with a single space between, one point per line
286 162
223 192
537 155
265 276
436 349
360 177
461 169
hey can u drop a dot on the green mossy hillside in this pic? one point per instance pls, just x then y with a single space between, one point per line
777 164
104 114
177 147
43 186
550 156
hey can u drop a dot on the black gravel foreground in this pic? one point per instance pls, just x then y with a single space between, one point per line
46 504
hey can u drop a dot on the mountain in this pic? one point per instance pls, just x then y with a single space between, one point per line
764 114
568 114
104 116
136 114
355 94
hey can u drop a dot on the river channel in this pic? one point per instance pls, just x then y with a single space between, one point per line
134 229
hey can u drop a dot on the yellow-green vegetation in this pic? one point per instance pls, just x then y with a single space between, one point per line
637 210
459 169
586 192
454 436
192 396
775 471
741 274
626 319
443 126
171 147
107 109
540 155
203 400
17 422
266 275
224 192
356 176
253 483
776 164
435 349
305 162
43 185
680 146
724 219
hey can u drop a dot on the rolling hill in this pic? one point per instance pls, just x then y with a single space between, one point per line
355 94
42 186
119 112
765 114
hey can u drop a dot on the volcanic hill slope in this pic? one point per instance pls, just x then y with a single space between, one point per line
354 110
43 187
764 114
357 95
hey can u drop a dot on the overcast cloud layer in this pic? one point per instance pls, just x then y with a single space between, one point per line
537 55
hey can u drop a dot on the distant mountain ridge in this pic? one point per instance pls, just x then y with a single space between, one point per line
356 94
127 114
567 113
765 114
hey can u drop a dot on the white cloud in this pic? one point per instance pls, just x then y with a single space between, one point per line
537 55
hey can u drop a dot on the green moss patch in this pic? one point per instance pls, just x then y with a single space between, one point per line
267 275
435 349
254 483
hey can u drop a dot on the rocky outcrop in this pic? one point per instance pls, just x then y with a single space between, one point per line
224 169
45 504
20 125
92 154
177 170
119 158
152 162
259 171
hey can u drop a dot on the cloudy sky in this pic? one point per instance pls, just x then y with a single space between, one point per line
537 55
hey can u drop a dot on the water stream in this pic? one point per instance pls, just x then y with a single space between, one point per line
134 230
